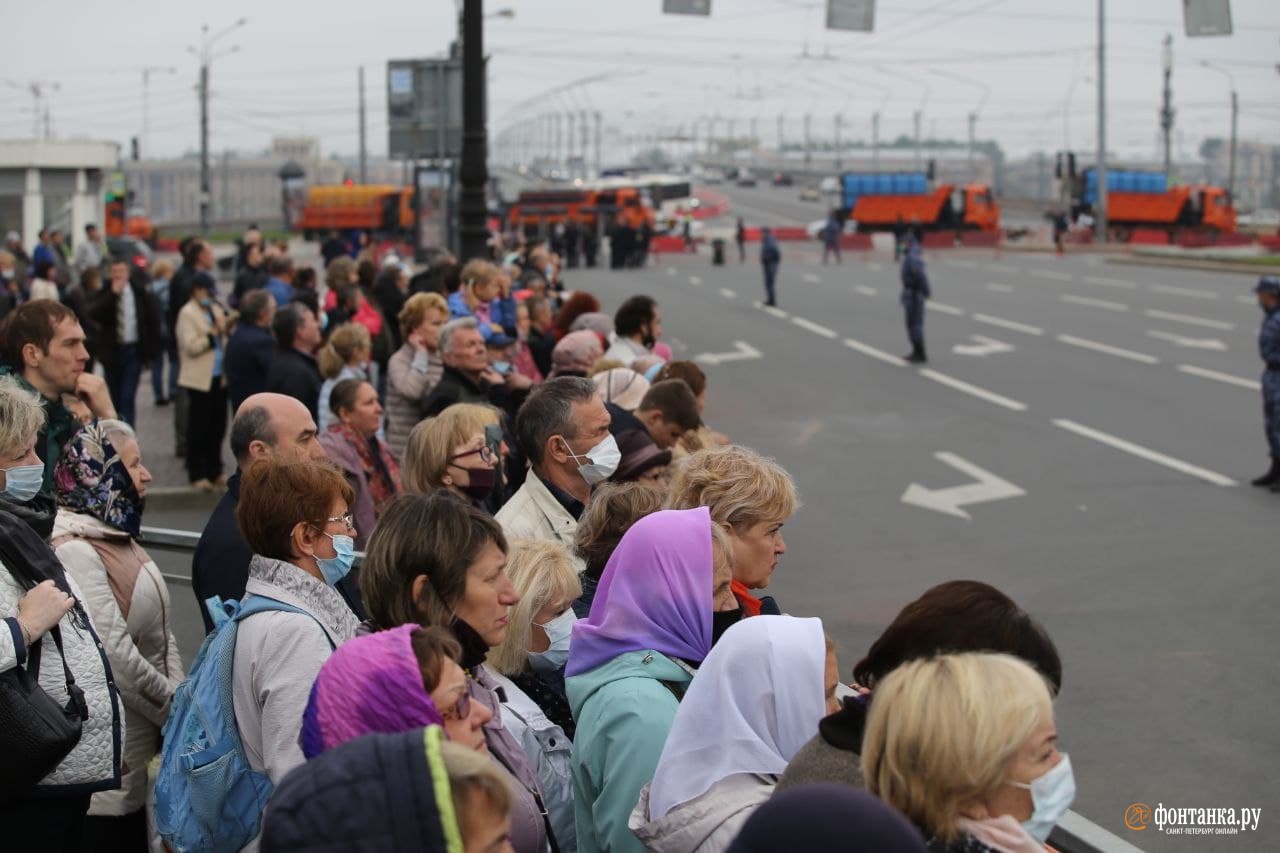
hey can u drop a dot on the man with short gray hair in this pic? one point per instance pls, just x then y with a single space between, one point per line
265 425
467 376
563 430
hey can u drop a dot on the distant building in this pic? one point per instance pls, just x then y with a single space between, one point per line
1257 173
57 183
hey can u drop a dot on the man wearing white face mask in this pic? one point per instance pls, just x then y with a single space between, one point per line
563 429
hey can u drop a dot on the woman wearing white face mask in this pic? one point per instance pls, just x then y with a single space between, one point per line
529 664
971 756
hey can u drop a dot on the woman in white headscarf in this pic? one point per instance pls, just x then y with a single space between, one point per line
756 700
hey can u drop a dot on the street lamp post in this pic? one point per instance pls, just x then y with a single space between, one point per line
1235 116
1166 110
206 55
473 174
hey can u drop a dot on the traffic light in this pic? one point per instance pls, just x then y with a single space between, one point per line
930 169
133 149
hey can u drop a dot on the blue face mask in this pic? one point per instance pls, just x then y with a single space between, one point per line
338 567
1051 795
559 632
23 482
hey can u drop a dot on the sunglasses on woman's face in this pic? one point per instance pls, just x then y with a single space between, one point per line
460 709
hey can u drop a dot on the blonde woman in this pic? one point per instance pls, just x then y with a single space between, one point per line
966 747
415 368
449 451
751 498
345 356
529 664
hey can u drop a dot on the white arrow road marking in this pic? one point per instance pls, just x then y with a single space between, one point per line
1110 282
984 347
999 288
943 308
1189 320
1052 274
1008 324
873 352
1182 291
695 280
811 278
1205 373
1144 453
1188 343
1093 303
949 501
1085 343
816 328
742 352
973 390
727 293
864 290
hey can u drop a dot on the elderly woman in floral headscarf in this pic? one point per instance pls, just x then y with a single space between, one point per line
100 485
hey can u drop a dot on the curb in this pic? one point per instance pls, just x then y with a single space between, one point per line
182 497
1195 264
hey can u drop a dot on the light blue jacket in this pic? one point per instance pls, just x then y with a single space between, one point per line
624 710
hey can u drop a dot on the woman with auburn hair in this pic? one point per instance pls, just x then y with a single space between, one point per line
751 497
965 746
578 303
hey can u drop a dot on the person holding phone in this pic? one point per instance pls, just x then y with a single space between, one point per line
42 344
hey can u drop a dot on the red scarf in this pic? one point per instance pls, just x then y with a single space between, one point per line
380 470
750 604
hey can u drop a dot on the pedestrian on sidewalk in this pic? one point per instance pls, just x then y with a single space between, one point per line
251 348
915 290
90 252
202 340
162 390
128 320
740 237
1268 290
831 238
294 370
770 257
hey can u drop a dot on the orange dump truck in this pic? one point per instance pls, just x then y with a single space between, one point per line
381 208
1138 199
590 207
883 201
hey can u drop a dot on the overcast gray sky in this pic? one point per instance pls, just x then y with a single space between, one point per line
295 69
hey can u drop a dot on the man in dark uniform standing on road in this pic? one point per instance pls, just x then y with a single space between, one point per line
1268 290
915 290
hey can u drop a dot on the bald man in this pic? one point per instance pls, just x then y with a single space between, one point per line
265 425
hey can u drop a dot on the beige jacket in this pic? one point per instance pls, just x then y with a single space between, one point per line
128 600
195 350
410 377
534 513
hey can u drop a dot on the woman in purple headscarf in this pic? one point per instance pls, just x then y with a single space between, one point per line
662 601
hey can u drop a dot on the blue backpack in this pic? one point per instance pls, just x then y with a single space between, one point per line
208 798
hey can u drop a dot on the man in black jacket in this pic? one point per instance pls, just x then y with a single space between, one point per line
127 315
251 349
293 370
266 425
468 378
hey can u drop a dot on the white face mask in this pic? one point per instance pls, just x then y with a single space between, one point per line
602 460
1051 794
559 632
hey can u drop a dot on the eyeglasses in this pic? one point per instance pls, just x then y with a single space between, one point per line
486 455
460 711
346 519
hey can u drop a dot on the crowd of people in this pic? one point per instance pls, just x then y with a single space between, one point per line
558 637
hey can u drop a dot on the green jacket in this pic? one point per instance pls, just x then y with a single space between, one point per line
624 710
59 426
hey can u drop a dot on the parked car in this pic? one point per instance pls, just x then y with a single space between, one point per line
712 176
810 193
745 178
782 179
131 249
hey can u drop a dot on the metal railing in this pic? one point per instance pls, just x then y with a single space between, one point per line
1073 834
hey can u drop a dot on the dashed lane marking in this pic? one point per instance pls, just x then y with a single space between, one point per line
727 293
1111 282
996 287
1093 303
873 352
772 311
1205 373
1008 324
1144 453
864 290
974 390
943 308
1002 268
1052 274
816 328
1106 349
968 265
671 270
811 278
1190 320
1182 291
695 280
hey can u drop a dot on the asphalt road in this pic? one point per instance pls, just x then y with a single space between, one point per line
1107 420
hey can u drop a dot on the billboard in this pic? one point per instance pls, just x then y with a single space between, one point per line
424 108
1207 17
857 15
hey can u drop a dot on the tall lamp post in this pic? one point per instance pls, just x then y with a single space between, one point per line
1235 116
473 174
207 56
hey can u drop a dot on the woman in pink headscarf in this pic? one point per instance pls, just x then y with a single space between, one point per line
662 601
575 353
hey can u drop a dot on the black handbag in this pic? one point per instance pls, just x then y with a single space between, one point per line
36 733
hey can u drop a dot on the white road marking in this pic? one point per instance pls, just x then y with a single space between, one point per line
1002 268
1008 324
999 288
1189 320
973 390
943 308
1188 343
671 270
1093 303
741 352
771 311
811 278
864 290
968 265
727 293
983 347
1241 382
1247 300
1182 291
1144 453
1110 282
1084 343
868 350
987 487
1052 274
817 329
874 267
695 280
